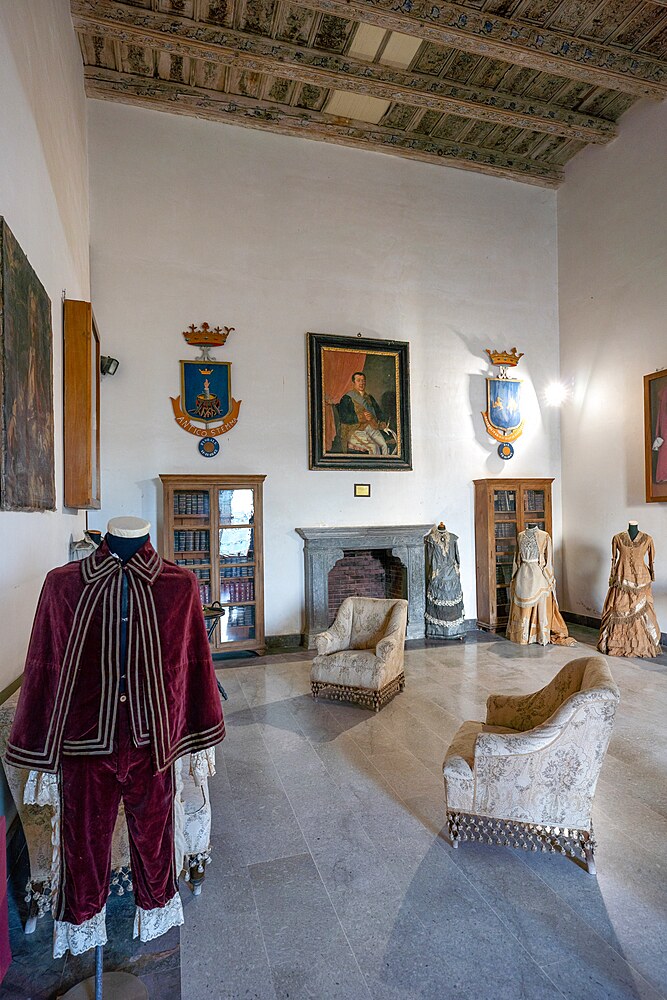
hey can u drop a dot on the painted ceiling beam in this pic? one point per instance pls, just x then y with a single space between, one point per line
178 98
512 41
132 25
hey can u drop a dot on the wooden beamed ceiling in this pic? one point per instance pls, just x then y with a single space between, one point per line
513 88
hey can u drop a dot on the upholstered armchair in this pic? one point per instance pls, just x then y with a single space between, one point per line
526 778
360 658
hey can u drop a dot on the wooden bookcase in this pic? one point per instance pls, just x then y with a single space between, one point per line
503 508
81 406
213 526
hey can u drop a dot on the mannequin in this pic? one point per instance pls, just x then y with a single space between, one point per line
116 688
444 615
629 626
534 613
126 535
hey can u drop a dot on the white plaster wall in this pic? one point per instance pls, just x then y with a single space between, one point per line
612 232
193 221
44 198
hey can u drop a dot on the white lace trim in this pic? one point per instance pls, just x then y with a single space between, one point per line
149 924
41 789
202 765
447 604
79 937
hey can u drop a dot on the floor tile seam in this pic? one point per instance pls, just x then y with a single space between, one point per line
499 917
331 902
633 970
261 932
564 904
254 897
387 726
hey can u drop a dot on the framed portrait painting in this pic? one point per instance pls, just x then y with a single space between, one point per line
27 477
358 403
655 436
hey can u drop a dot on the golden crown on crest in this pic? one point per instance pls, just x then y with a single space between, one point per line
508 359
215 337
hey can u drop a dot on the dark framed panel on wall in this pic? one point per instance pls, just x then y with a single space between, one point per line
655 436
358 403
81 406
27 470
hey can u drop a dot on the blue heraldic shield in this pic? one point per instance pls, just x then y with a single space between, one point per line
206 389
503 411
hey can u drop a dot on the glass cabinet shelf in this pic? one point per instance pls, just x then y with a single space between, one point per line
212 525
503 508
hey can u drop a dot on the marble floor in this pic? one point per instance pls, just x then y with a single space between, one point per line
332 879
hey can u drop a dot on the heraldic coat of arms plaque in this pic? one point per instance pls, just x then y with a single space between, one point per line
206 406
503 402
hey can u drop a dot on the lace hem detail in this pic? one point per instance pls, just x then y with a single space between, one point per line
442 621
202 765
149 924
41 789
78 938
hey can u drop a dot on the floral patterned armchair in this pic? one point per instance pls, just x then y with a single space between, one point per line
360 658
527 777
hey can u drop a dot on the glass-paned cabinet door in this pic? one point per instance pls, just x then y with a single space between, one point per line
238 624
534 508
237 583
236 506
212 525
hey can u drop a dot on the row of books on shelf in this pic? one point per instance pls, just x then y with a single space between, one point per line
504 573
242 591
234 571
191 541
504 501
205 593
191 503
533 500
201 574
235 557
242 616
505 529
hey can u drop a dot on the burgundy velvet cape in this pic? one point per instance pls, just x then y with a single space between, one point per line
70 691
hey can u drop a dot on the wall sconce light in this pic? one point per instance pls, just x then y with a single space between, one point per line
108 366
557 393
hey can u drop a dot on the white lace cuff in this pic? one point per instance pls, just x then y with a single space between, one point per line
149 924
202 765
79 937
41 789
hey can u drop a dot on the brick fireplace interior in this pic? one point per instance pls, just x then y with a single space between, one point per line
365 573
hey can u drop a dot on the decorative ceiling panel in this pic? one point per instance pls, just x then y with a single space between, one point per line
507 87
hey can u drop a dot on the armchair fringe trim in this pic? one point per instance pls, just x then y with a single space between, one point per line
577 844
366 697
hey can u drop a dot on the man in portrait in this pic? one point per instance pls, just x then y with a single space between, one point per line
361 420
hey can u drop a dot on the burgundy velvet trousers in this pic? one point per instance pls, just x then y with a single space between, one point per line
91 791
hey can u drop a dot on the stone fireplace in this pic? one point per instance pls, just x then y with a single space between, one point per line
365 561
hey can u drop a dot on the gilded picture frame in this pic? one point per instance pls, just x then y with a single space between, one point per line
655 436
358 403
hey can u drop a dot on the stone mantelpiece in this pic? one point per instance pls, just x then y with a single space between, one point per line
323 547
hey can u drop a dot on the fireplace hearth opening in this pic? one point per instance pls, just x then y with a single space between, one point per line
366 573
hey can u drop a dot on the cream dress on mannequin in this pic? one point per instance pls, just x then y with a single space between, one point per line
534 614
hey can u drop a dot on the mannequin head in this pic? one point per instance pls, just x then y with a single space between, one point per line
126 535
